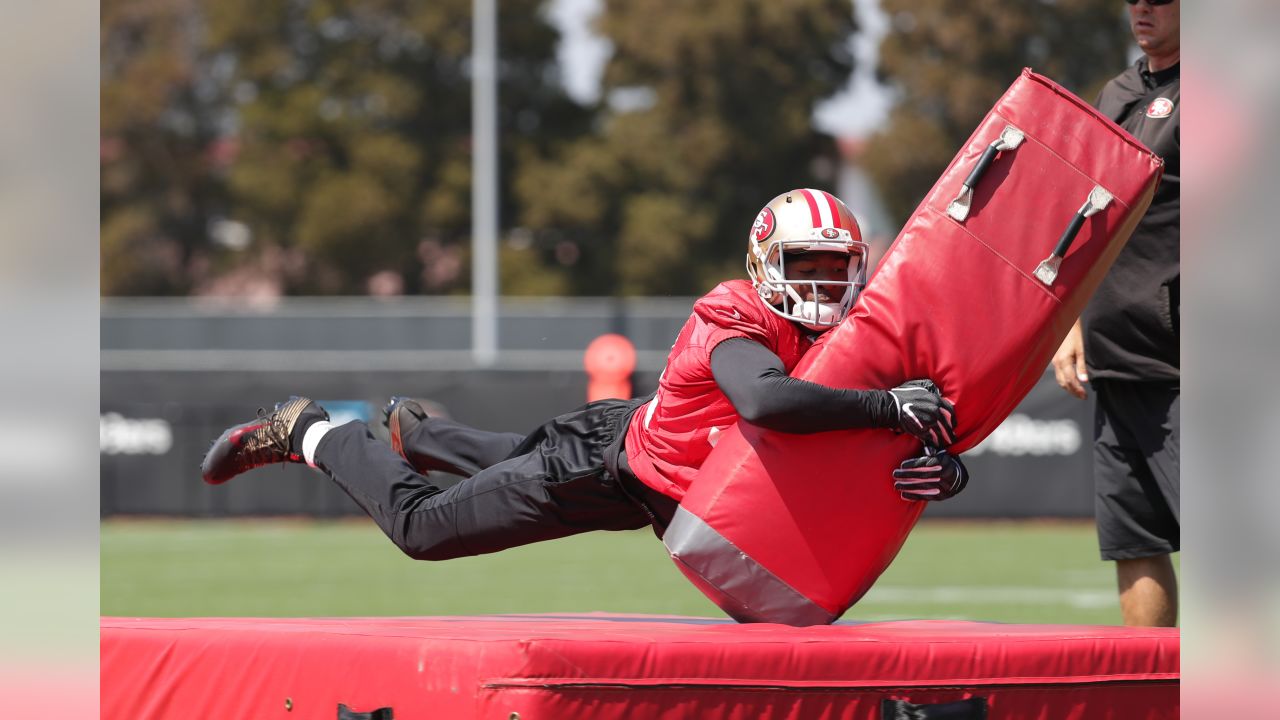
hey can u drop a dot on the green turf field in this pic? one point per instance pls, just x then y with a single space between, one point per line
1042 572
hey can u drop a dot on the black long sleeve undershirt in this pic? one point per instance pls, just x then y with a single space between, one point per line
756 383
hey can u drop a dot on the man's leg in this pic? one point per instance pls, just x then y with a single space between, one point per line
1136 501
435 444
557 488
1148 591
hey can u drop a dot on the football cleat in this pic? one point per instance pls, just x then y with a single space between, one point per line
402 416
261 441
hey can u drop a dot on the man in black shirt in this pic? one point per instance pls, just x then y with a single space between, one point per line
1126 343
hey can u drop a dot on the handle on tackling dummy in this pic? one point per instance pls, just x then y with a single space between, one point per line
1010 138
1047 271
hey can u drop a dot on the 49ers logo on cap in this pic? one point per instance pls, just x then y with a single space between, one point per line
763 226
1160 107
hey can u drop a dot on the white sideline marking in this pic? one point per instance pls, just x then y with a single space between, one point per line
988 595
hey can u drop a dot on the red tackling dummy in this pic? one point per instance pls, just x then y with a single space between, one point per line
976 293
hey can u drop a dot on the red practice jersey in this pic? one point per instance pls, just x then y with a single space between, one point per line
673 433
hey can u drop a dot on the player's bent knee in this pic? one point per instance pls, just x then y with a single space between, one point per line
424 533
431 552
431 546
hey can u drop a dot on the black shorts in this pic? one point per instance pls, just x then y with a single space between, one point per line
1135 458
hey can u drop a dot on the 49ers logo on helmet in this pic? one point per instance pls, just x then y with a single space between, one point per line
763 226
830 233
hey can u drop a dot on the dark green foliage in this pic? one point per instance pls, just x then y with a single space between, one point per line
706 116
338 132
950 62
356 142
157 124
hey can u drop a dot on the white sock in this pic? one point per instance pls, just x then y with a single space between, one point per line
311 440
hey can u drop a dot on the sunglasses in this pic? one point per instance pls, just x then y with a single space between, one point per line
1152 3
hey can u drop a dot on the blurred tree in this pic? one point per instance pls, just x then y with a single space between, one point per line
950 63
336 135
354 130
157 120
706 114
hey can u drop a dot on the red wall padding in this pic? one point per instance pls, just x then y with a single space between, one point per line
545 667
952 301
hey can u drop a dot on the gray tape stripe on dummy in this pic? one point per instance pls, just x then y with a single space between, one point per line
747 591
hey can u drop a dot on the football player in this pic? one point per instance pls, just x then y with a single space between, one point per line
625 464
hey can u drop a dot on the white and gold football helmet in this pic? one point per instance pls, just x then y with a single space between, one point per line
805 220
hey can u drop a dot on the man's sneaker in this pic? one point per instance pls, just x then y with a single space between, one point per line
265 440
402 416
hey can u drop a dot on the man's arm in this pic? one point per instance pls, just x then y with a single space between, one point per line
756 383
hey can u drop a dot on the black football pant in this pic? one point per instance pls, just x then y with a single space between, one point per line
560 480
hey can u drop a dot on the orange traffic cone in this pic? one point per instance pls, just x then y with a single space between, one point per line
609 362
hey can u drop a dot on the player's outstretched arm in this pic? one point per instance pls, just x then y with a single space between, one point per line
756 383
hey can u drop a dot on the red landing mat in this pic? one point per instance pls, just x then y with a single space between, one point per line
543 667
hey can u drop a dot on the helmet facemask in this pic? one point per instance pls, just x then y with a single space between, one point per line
785 296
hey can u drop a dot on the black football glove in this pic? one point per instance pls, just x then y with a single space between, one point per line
936 476
924 413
